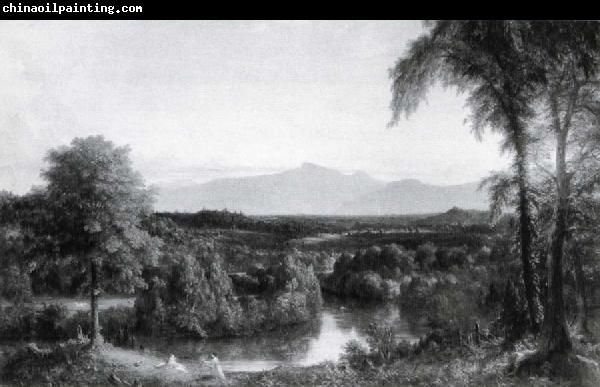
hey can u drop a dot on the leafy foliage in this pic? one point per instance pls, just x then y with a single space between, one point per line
372 273
97 203
191 293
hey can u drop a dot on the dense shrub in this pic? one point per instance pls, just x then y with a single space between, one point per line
388 261
356 354
187 293
425 256
256 314
393 257
367 285
373 274
17 321
118 325
445 258
383 347
381 340
53 322
289 308
342 265
15 284
247 284
444 300
452 306
296 277
61 362
320 260
49 322
192 294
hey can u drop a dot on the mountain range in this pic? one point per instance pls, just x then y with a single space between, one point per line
316 190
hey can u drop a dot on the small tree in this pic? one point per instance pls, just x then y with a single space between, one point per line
97 202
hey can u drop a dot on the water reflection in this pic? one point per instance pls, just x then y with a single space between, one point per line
330 340
323 339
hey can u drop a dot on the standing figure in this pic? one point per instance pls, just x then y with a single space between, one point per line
80 336
216 368
172 364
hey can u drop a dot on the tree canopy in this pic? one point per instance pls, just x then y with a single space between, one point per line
98 201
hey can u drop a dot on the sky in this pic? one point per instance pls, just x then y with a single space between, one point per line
197 100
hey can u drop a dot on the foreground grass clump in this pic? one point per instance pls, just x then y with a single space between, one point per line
387 361
420 370
68 362
476 366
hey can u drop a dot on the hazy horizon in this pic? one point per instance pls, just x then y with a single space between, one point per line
203 100
221 174
318 190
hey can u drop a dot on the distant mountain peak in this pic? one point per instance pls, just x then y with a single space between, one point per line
312 167
307 166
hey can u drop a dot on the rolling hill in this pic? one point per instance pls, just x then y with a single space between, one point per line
414 197
456 215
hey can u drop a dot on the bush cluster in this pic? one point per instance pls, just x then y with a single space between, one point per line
193 295
383 348
53 322
372 274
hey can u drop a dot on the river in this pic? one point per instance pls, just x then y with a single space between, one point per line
301 345
323 339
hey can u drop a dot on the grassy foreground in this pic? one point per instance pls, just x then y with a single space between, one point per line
487 365
482 367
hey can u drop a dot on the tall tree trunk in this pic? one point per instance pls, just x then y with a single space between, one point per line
582 306
525 227
556 335
95 336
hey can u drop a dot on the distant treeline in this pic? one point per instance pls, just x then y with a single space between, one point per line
283 227
209 218
469 220
298 226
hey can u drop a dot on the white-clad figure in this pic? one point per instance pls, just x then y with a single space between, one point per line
172 364
216 368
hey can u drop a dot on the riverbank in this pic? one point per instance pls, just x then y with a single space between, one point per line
71 363
485 365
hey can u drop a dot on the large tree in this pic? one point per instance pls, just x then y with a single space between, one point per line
98 201
490 62
570 55
584 204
